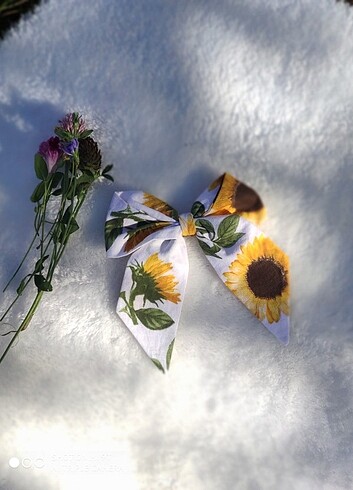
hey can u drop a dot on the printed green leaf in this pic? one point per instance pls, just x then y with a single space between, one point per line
128 214
38 192
154 318
113 228
208 250
197 209
226 231
158 364
169 353
229 242
204 226
42 284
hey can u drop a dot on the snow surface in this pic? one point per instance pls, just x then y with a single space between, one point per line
180 92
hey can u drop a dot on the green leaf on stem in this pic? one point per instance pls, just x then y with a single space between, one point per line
39 264
107 169
69 221
85 134
85 179
64 135
38 192
58 232
40 167
73 226
65 183
67 214
42 284
22 285
57 192
71 193
57 179
154 318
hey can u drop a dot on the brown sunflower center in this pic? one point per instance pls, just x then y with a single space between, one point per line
246 199
266 278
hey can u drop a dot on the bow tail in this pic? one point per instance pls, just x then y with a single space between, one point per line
251 265
152 294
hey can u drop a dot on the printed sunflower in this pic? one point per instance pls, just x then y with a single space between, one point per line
259 277
235 197
159 205
152 281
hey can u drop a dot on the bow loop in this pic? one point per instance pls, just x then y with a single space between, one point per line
227 195
131 222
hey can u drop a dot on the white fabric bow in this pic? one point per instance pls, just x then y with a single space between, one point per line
250 264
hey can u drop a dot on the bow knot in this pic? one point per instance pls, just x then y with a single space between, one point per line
152 232
187 224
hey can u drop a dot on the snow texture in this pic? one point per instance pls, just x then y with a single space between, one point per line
181 91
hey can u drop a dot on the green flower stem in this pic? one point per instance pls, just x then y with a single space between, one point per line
54 261
45 202
51 239
21 263
133 295
36 226
62 206
16 298
30 275
58 253
64 198
130 306
25 322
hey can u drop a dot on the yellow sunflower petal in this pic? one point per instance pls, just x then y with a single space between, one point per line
235 197
165 284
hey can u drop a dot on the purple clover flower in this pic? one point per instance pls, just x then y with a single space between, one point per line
70 147
68 124
51 152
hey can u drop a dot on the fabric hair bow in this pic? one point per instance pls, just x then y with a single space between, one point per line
249 263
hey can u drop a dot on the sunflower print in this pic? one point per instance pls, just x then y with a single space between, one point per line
159 205
259 277
164 285
235 197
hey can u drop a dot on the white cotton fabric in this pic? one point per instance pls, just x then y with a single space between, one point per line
179 92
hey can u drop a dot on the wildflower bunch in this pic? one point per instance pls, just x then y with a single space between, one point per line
67 165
